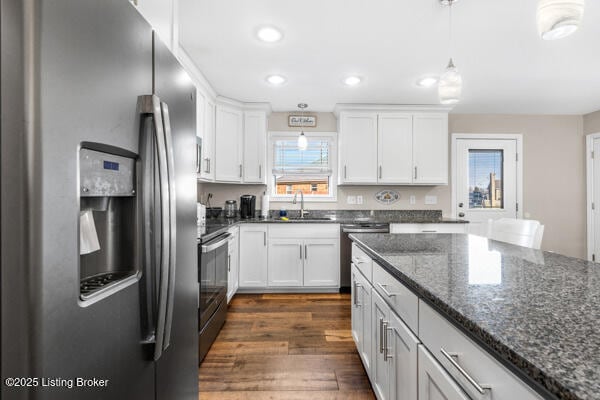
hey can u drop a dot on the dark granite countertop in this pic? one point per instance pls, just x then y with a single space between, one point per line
216 226
537 312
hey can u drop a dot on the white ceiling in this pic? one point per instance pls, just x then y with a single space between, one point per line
506 67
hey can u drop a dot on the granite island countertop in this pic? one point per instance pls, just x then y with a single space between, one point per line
216 226
537 312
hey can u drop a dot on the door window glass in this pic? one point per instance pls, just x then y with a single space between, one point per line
486 189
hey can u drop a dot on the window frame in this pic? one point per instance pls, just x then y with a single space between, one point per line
279 135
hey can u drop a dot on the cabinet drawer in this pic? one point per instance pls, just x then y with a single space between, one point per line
427 228
294 230
404 302
363 262
446 343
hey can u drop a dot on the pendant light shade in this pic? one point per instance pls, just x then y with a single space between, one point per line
450 85
302 141
557 19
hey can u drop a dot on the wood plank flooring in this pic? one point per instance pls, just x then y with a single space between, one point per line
285 346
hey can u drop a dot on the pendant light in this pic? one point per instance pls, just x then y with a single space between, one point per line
557 19
302 141
450 83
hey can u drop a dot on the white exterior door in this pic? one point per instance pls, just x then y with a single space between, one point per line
593 188
395 142
487 178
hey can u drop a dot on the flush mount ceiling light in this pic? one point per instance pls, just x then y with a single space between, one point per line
427 81
302 141
276 80
269 34
352 81
557 19
450 83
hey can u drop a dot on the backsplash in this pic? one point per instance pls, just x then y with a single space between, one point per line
222 192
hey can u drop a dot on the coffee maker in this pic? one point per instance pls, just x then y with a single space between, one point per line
247 206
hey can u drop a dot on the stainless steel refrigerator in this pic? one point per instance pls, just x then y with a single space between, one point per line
98 206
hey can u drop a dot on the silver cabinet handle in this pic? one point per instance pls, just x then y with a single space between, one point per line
386 328
380 173
359 261
228 262
356 286
381 335
198 159
209 165
388 294
450 357
415 172
300 247
265 238
240 170
345 169
306 252
260 172
428 231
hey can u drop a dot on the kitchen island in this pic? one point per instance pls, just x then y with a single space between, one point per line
537 313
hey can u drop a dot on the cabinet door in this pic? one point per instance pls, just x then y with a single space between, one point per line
255 143
358 144
367 342
206 122
434 381
228 149
395 144
285 262
430 149
380 370
233 265
253 256
403 346
356 310
322 262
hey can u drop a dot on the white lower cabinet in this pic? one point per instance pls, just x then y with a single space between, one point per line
285 262
434 381
361 317
233 263
253 256
429 228
321 263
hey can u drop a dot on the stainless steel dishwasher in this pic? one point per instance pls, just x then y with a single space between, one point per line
346 247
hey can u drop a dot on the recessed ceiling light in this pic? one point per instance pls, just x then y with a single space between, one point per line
276 80
427 81
352 80
269 34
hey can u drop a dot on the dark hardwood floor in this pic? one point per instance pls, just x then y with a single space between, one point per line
285 346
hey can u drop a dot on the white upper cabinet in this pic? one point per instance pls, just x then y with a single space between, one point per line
358 147
255 144
205 129
228 144
393 145
430 149
395 148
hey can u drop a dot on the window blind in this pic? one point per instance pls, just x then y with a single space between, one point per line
289 160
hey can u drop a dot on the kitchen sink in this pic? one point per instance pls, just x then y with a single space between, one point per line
311 219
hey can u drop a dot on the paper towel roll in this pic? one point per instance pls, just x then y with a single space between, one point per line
264 212
88 238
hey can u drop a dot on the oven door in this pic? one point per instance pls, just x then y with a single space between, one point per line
213 276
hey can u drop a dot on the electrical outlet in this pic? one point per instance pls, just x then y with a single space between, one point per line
413 199
359 199
430 200
351 199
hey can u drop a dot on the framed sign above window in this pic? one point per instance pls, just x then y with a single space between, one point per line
297 121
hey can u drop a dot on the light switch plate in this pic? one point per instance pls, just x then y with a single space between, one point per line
351 199
413 199
430 199
359 199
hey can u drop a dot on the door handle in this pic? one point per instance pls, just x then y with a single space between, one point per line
305 252
460 205
381 335
356 286
461 214
153 154
481 389
386 354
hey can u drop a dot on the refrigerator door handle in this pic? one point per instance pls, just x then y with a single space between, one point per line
150 106
172 224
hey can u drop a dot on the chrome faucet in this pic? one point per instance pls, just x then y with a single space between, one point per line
302 211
